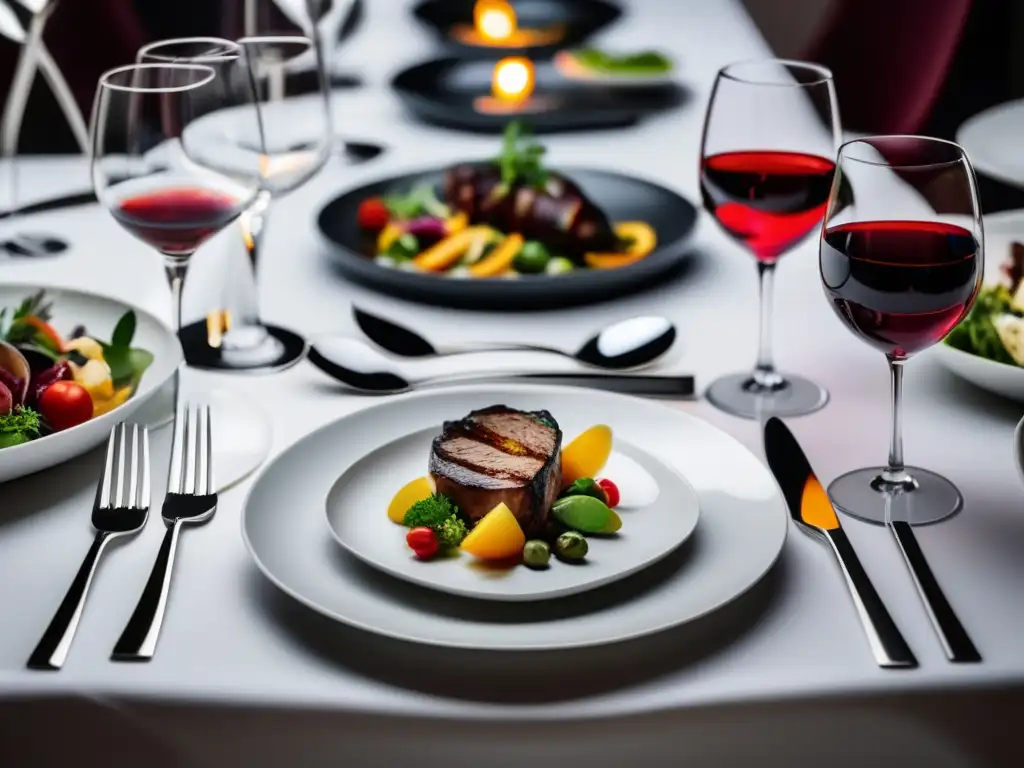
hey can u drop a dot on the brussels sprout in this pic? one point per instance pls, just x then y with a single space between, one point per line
559 265
571 546
536 553
532 258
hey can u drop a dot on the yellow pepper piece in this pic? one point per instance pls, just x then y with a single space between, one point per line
456 223
86 347
387 236
415 490
498 260
105 405
94 378
443 254
644 240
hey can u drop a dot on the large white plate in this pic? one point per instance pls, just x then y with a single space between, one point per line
1001 230
992 141
743 521
659 511
99 315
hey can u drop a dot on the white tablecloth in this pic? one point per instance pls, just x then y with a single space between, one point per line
245 677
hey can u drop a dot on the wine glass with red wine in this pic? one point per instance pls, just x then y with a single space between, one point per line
901 259
767 157
157 165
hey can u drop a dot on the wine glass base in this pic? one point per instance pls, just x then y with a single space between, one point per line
736 394
933 497
242 431
281 349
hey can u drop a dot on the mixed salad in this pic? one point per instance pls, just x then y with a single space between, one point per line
505 218
49 382
994 328
584 506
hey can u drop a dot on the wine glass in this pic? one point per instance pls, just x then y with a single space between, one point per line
294 142
159 168
902 260
767 157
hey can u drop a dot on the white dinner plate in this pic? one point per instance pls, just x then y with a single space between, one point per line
992 139
658 509
743 523
1001 229
99 315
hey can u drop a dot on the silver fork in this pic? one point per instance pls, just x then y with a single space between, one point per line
114 514
190 499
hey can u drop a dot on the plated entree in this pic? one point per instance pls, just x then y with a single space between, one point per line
50 382
506 217
994 328
502 488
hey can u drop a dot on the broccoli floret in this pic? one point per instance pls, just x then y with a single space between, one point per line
451 532
430 512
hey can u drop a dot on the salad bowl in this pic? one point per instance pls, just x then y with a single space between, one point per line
98 315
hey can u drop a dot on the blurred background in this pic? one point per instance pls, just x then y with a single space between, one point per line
924 50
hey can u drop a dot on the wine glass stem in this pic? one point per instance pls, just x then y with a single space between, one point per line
765 376
895 477
252 222
175 267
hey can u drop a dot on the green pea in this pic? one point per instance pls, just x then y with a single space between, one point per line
571 546
559 265
582 513
532 258
536 553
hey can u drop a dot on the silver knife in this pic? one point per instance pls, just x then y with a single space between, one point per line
812 509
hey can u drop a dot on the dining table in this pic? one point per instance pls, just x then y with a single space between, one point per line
243 675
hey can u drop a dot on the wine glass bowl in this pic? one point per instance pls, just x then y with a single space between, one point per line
901 261
767 162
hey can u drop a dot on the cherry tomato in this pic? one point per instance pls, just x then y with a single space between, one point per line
423 542
611 491
373 214
65 404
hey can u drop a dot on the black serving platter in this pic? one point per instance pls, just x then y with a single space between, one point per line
579 18
445 92
623 198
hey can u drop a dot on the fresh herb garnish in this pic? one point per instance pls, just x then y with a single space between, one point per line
19 426
126 364
421 201
17 330
520 159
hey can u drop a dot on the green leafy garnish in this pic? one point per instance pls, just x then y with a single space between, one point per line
976 333
19 426
421 201
642 63
585 486
520 159
16 330
440 515
126 364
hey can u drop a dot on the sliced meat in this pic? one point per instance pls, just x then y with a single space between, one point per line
496 455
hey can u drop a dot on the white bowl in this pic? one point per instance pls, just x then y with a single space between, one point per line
99 315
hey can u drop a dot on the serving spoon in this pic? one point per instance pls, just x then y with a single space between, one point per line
364 368
630 343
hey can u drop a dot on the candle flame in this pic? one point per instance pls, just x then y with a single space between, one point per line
495 19
513 79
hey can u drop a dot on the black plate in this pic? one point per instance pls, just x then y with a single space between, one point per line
444 92
580 18
623 198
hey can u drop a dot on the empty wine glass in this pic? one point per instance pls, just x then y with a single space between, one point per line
292 147
901 260
767 158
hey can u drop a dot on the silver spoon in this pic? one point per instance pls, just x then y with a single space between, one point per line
364 368
630 343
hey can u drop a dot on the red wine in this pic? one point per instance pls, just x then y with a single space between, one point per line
767 200
900 285
177 220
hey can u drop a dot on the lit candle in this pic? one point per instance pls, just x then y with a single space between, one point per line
494 19
513 79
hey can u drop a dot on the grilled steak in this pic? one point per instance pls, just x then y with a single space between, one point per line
499 454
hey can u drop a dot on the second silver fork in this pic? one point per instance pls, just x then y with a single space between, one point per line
190 499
